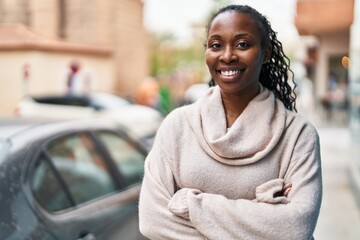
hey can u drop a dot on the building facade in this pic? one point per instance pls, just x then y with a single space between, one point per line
113 27
329 21
336 23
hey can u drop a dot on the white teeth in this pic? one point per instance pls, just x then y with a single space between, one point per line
230 73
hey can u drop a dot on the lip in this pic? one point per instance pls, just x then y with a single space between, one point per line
230 74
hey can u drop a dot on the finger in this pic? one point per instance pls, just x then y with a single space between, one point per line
287 191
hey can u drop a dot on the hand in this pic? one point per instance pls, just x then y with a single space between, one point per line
274 191
287 189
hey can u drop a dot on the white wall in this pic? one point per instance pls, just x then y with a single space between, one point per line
48 74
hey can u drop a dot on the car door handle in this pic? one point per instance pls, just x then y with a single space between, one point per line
87 236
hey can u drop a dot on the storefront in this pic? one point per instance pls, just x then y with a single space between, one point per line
327 61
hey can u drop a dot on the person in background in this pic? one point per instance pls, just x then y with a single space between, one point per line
152 94
148 93
74 68
165 100
239 163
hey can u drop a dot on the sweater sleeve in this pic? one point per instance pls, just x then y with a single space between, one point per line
156 221
220 218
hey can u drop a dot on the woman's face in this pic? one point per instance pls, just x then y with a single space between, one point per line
233 53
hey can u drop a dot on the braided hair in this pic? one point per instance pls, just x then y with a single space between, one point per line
274 74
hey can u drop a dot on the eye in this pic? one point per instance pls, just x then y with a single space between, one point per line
243 45
215 46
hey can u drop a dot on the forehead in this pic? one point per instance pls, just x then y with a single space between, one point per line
234 22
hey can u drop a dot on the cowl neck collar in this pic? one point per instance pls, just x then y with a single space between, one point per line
253 134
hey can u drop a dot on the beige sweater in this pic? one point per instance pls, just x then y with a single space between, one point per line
203 181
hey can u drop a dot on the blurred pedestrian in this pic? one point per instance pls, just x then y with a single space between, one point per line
148 93
305 90
306 97
74 68
152 94
26 78
240 163
165 100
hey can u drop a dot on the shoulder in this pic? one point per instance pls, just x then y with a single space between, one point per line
296 120
175 121
303 131
176 116
295 124
171 129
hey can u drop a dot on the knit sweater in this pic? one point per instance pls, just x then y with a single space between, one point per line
204 181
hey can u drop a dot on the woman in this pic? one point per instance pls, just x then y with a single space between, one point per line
238 163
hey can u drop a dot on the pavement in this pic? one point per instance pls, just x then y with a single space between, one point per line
339 217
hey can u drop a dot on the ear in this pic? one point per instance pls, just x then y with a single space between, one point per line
267 55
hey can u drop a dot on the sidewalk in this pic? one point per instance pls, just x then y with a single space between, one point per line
339 215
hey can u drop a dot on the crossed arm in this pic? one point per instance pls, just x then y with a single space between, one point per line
158 187
280 211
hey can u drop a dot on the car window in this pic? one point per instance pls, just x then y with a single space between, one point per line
129 160
47 188
107 101
81 168
64 100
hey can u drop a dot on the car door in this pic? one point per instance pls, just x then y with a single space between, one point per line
79 192
129 162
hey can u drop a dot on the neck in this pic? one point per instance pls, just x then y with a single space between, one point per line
235 104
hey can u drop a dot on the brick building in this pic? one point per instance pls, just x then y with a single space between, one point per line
109 32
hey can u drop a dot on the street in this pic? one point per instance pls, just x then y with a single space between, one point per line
339 215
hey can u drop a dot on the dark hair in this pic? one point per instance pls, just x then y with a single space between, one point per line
274 74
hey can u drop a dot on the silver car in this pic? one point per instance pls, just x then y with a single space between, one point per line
69 180
141 121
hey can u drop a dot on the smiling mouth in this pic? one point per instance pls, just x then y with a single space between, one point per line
229 73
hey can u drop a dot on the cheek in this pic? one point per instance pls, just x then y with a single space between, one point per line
209 59
255 60
251 56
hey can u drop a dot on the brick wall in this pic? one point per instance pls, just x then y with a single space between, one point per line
14 11
44 17
132 46
110 23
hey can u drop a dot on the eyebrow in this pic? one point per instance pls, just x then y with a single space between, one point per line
241 35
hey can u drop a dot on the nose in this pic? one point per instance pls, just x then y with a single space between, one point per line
228 55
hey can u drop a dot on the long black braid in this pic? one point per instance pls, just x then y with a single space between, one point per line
275 74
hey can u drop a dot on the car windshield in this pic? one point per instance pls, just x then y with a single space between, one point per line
4 145
107 101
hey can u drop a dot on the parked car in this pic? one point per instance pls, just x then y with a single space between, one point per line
76 179
142 121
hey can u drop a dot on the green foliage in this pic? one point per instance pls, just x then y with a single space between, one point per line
167 57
